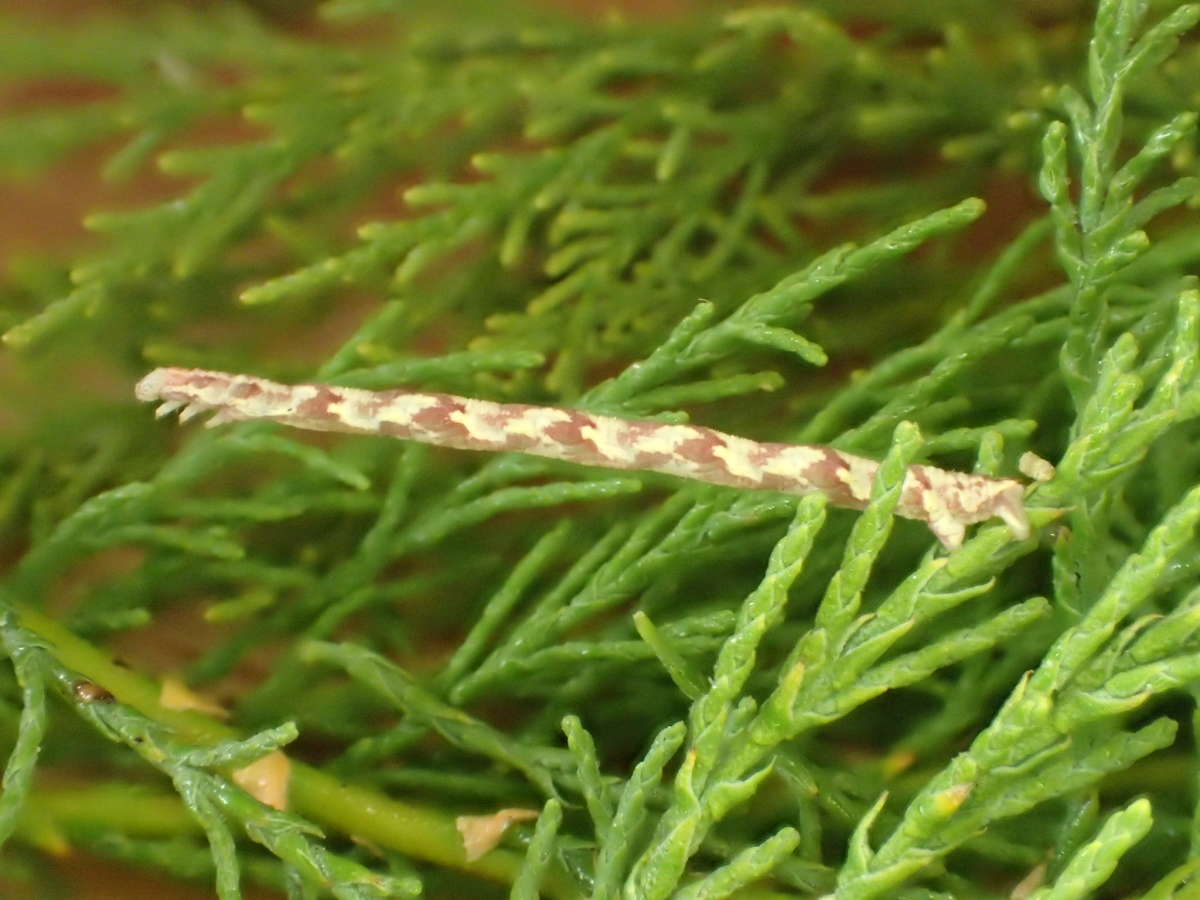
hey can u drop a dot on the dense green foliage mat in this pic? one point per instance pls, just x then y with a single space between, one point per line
954 231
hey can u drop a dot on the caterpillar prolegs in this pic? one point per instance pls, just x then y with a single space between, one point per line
947 501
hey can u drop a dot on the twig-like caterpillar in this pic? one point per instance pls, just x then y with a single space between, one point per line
946 501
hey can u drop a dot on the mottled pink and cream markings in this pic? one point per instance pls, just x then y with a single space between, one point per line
947 501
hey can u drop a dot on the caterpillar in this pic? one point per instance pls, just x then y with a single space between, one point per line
947 501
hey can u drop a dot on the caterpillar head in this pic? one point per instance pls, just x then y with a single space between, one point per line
195 391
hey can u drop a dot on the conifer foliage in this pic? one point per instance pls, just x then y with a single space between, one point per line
959 233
